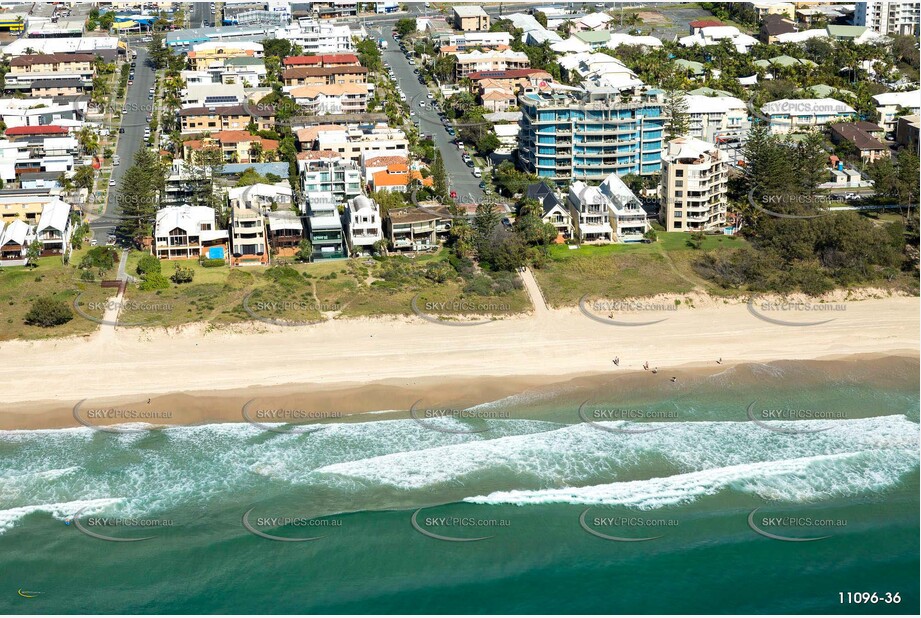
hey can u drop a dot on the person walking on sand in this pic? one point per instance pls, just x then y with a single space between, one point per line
646 366
720 361
617 361
656 370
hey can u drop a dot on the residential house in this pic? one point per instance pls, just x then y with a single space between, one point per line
860 136
590 214
775 25
15 238
417 229
705 36
694 184
398 177
285 232
628 219
363 224
592 21
247 238
354 141
554 211
188 232
325 226
54 229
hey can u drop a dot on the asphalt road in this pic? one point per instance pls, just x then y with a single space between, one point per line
133 122
200 15
460 177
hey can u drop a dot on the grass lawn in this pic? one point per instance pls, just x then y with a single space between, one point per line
617 271
350 288
20 286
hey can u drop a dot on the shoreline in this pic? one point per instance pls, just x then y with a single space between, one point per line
392 399
397 359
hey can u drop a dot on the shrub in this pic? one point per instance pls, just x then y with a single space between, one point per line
99 257
148 264
213 263
182 275
87 275
154 281
47 312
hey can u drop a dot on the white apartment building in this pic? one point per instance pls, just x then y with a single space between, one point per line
261 197
888 105
712 35
492 60
353 142
888 17
247 237
693 188
331 99
316 37
794 115
363 224
212 95
710 117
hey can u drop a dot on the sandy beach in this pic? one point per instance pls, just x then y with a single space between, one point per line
353 366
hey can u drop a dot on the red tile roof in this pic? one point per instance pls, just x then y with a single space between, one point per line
705 23
49 129
321 60
509 74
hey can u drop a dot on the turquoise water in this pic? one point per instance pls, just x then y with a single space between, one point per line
524 483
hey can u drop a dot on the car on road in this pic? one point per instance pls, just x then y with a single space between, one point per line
431 96
93 242
477 173
112 182
451 132
121 129
412 112
422 104
469 162
851 196
453 195
482 184
130 81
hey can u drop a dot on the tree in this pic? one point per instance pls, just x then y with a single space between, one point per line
47 312
148 264
369 55
138 196
304 251
439 177
33 252
405 26
676 111
84 177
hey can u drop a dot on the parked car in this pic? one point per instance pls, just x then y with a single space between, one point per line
477 173
453 195
121 129
112 182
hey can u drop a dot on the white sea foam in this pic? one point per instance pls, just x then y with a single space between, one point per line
60 510
796 480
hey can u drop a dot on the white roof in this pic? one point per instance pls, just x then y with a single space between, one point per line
618 38
617 191
688 148
16 232
188 218
260 189
594 20
700 104
61 45
469 10
799 37
572 44
54 216
229 45
800 107
911 99
361 202
284 220
506 130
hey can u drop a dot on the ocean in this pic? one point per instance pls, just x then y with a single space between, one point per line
774 488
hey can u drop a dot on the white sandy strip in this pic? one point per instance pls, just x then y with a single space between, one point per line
556 342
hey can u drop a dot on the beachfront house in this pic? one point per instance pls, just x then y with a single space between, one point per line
363 223
325 226
188 232
54 229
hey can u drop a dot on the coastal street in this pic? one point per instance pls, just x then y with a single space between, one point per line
460 177
200 15
129 142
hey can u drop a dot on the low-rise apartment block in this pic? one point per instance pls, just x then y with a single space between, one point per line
470 17
324 76
492 60
796 115
415 229
335 99
890 105
247 238
225 118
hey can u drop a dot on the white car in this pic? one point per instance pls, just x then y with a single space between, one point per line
112 182
431 96
412 113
